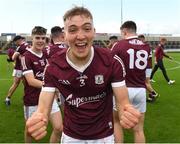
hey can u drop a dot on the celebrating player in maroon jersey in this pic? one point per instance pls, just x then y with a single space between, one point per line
87 78
34 62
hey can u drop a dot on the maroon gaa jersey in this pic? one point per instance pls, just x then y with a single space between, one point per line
87 91
32 63
21 49
54 48
135 55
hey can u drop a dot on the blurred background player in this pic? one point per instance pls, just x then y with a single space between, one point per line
134 54
57 36
152 94
159 54
22 46
10 51
112 41
57 41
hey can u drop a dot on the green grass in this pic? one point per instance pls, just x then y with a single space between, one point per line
162 119
162 122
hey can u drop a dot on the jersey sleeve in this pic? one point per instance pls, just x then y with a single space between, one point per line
48 82
119 73
26 64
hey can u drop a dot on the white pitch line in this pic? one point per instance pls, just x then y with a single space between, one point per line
173 68
174 61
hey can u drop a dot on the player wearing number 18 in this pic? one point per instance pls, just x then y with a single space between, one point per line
134 54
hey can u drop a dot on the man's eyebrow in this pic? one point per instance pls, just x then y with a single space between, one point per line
82 25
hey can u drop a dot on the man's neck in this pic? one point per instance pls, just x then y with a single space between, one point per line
130 35
38 52
78 61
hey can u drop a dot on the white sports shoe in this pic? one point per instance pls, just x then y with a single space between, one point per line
171 82
151 80
7 101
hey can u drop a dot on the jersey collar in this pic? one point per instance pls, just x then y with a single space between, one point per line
82 68
131 37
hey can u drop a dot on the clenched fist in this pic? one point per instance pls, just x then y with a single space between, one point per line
37 125
130 117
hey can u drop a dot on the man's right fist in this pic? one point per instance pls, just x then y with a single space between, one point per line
36 125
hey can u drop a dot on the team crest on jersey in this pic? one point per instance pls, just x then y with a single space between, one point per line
99 79
42 62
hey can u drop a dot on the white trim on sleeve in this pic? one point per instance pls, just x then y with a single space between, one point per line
118 84
48 89
28 71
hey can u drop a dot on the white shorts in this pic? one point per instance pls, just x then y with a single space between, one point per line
137 97
17 73
148 72
29 110
67 140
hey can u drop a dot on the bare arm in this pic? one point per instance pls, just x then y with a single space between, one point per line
167 56
155 60
45 102
32 81
121 96
128 115
15 55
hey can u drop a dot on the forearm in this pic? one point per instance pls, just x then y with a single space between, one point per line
45 103
32 81
166 55
35 83
121 95
155 59
15 55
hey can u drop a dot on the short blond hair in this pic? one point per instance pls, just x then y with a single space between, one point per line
163 39
77 10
